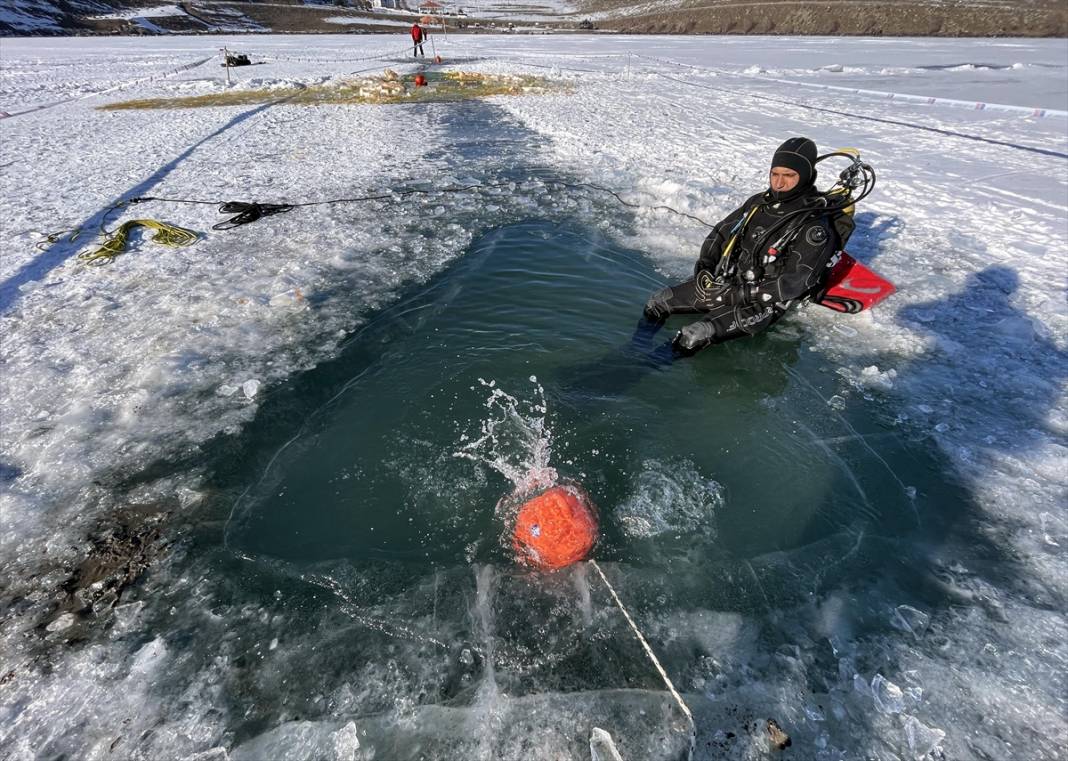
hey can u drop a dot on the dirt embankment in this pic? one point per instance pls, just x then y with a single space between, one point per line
842 17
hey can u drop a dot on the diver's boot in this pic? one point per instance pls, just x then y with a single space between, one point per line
694 337
657 308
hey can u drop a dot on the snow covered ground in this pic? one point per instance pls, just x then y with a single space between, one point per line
367 20
108 371
34 16
524 10
156 11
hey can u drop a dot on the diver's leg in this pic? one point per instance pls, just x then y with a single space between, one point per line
726 323
697 335
676 299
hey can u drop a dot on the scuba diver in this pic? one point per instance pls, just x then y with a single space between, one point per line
771 253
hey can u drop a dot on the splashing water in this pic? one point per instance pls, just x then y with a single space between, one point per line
488 710
514 440
671 498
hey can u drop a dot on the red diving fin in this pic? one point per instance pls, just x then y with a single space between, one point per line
852 287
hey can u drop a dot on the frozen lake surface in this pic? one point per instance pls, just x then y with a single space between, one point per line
854 525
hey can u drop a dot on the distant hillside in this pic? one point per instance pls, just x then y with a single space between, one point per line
32 17
951 18
1025 18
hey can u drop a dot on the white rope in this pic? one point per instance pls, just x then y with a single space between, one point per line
304 59
114 88
652 657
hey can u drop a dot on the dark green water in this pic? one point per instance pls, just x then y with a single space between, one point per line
735 483
374 473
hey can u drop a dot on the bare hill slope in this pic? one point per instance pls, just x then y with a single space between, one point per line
1027 18
1044 18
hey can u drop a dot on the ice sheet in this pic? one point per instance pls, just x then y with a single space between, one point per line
106 372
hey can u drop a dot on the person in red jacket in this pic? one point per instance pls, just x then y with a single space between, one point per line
418 36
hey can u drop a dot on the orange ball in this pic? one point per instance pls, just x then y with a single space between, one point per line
555 529
420 80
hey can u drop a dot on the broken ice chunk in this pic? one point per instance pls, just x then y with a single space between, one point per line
601 746
909 619
149 658
874 377
62 622
1050 526
250 388
922 738
346 742
888 696
212 754
813 713
847 669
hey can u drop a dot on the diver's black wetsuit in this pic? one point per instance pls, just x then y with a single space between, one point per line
776 260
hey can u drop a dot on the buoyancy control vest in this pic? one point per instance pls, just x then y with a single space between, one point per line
766 228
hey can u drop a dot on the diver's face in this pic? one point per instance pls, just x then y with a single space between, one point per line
783 180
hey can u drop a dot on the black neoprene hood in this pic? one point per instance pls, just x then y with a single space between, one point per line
799 154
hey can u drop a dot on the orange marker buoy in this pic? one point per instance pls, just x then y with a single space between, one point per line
420 80
556 528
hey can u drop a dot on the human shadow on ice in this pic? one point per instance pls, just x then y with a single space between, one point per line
872 231
997 376
995 351
905 602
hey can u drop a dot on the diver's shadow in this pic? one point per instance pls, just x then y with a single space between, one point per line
999 359
872 231
982 389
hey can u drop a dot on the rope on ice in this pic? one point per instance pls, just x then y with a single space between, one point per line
121 86
879 119
652 657
303 59
924 99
